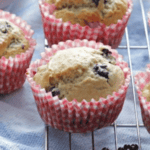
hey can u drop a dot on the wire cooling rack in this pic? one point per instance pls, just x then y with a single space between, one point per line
115 125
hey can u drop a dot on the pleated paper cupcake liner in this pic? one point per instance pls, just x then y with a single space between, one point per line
12 70
141 79
149 19
77 116
55 30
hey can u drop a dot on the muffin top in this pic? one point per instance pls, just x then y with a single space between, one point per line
146 91
86 11
81 73
12 40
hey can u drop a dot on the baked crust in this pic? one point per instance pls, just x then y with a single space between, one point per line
12 40
74 74
85 11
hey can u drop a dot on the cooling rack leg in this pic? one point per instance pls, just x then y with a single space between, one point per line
132 80
46 137
69 141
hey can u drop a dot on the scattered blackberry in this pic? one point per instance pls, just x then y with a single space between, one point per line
105 148
127 147
134 147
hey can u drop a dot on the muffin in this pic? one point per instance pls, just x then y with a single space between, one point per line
86 11
146 92
81 73
86 61
142 82
16 50
68 20
13 41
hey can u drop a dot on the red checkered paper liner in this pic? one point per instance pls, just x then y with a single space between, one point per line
141 79
55 30
77 116
12 70
149 19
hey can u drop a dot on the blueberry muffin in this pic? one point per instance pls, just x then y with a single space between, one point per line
146 92
86 11
12 39
81 73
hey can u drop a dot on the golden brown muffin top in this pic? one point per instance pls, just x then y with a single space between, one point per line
83 11
81 73
12 39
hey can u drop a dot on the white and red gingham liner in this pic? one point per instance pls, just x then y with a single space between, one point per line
55 30
141 79
12 70
74 116
149 19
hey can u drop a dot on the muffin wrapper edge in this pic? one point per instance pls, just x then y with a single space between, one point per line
141 79
75 116
55 30
149 18
12 70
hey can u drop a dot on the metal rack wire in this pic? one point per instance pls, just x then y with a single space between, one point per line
115 125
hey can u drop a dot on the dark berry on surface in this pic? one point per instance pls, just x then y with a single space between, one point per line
134 147
120 148
96 2
105 148
4 30
96 67
103 66
55 91
105 1
101 70
106 51
103 73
